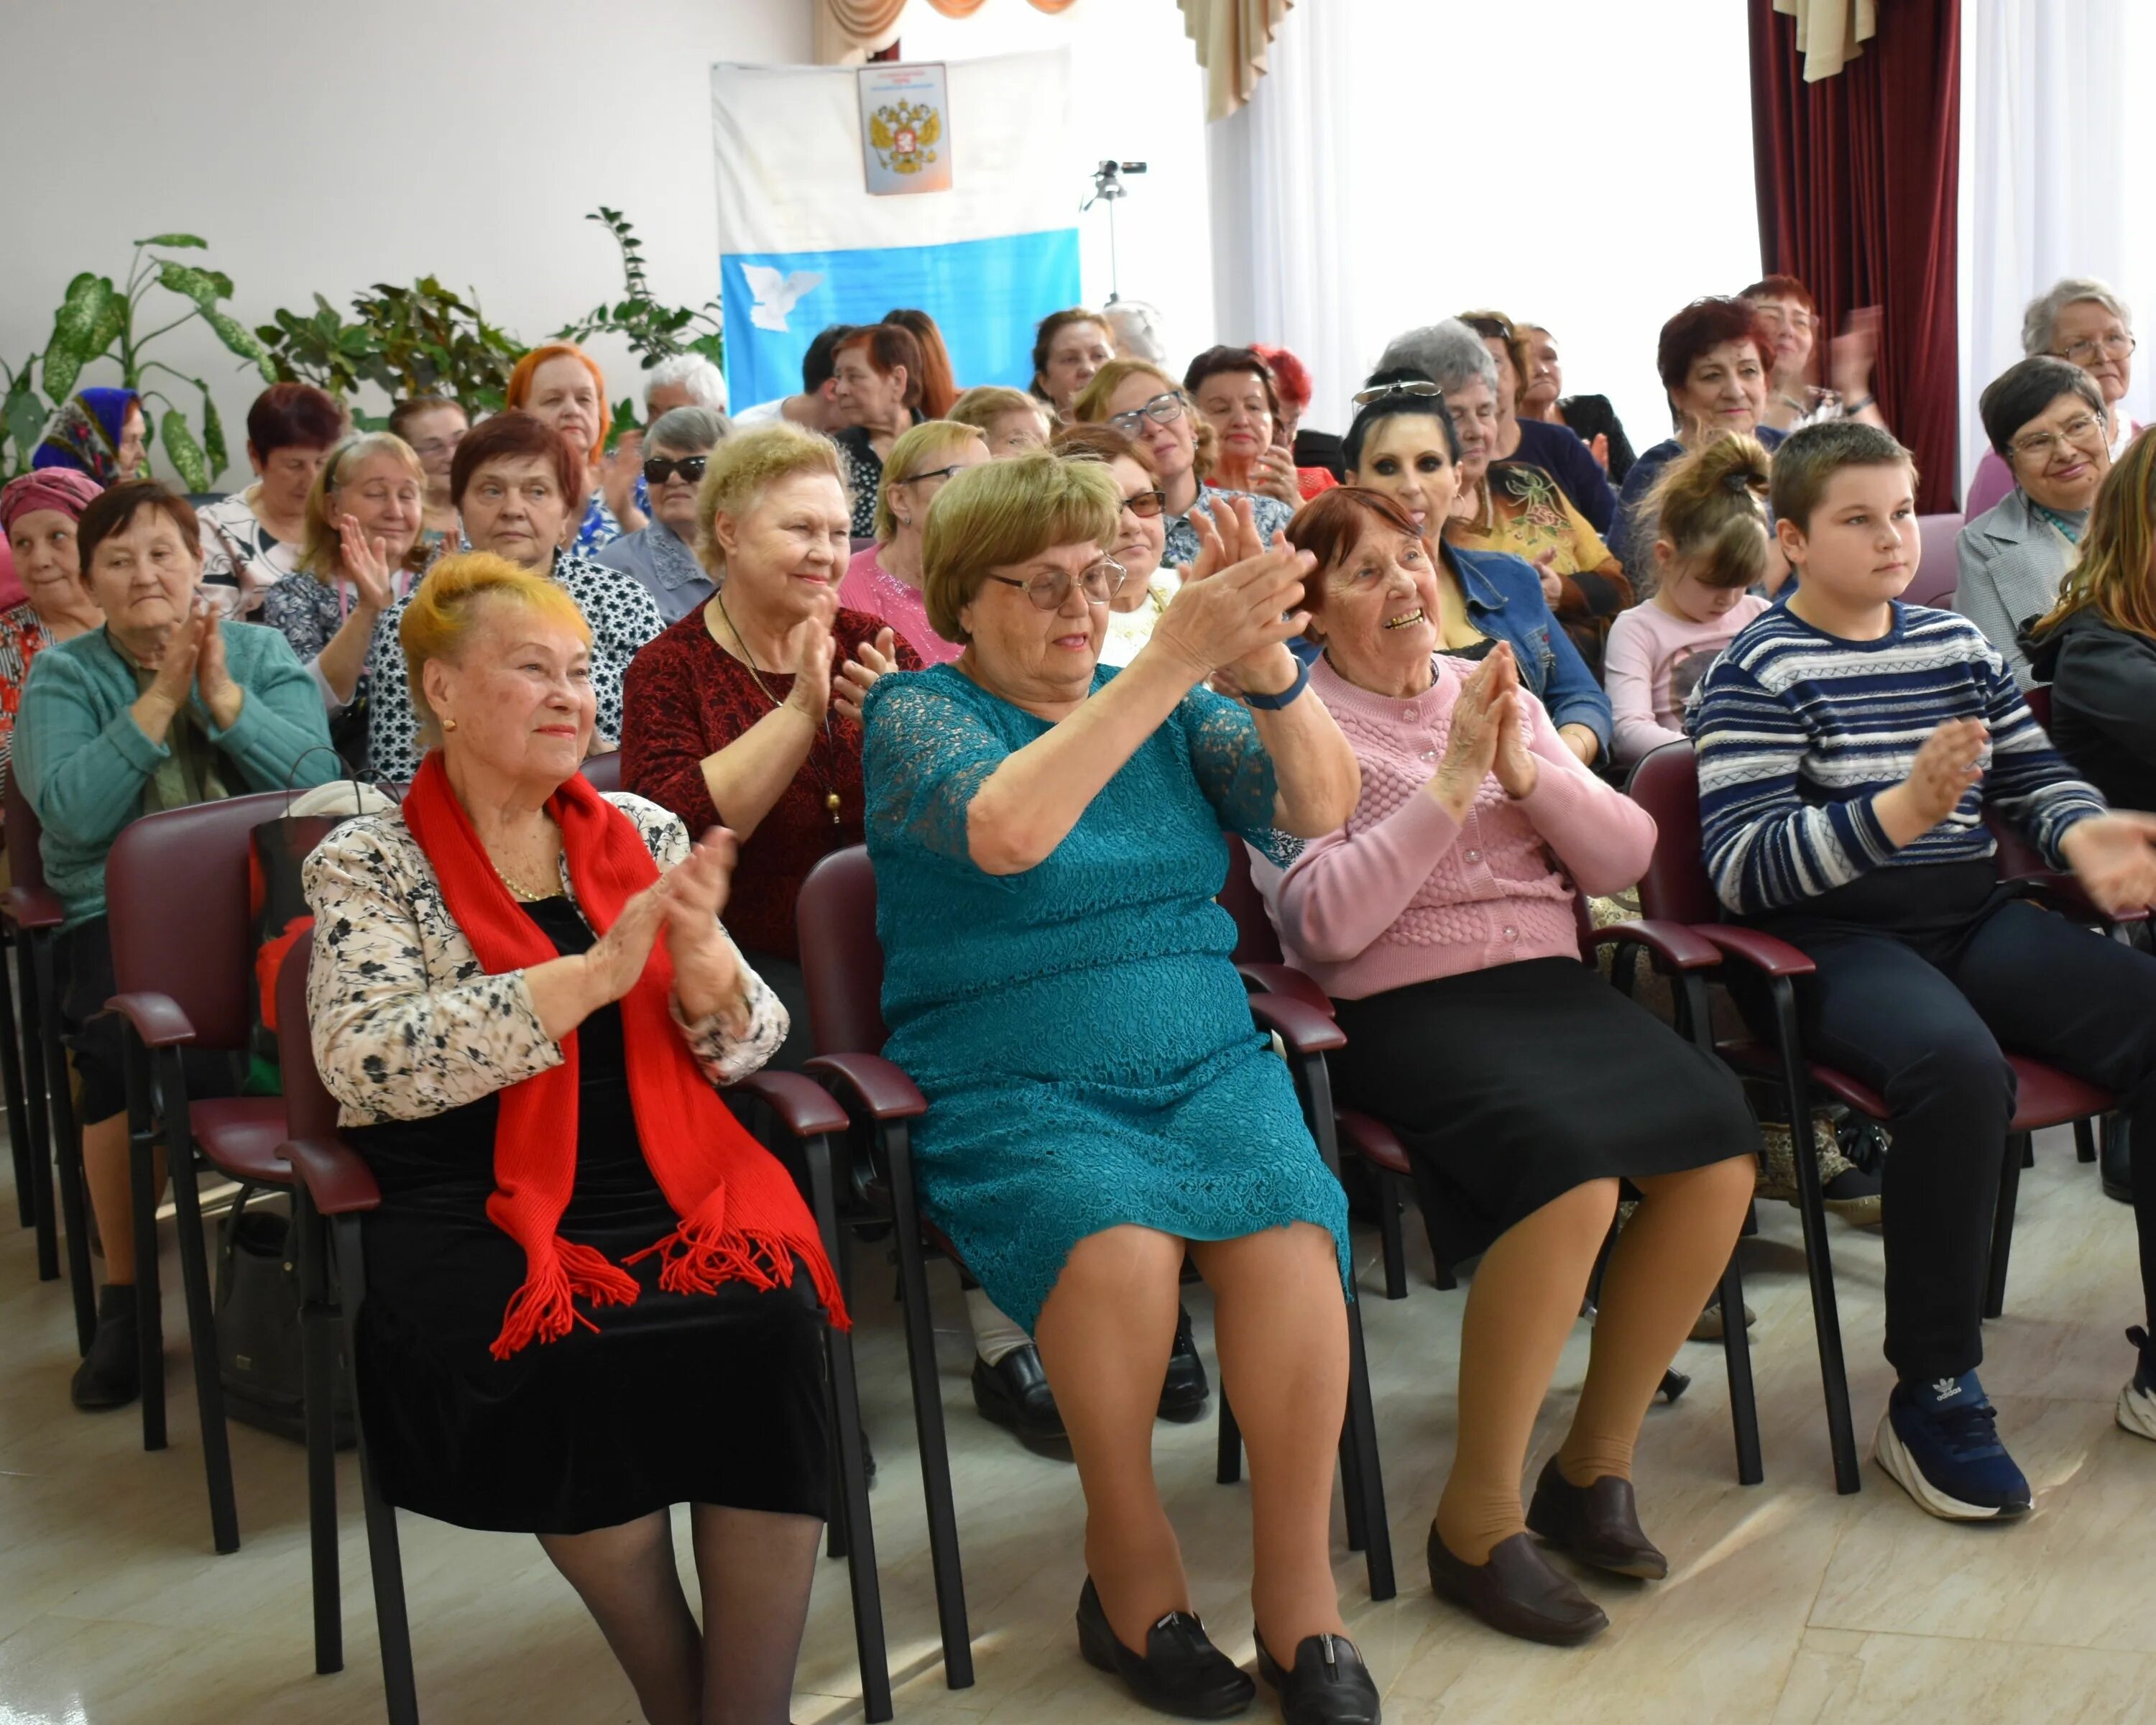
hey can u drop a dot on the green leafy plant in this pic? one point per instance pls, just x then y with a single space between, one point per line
654 331
420 340
22 415
98 321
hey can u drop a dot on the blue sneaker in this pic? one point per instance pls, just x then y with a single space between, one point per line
1940 1441
2137 1402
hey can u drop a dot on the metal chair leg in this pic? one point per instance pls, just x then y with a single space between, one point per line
1369 1483
1818 1260
385 1562
142 1185
201 1313
1392 1233
928 1415
28 1151
1227 1455
1736 1361
2002 1223
318 1346
2084 1140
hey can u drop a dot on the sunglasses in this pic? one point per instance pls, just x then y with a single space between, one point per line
1146 505
1416 388
658 469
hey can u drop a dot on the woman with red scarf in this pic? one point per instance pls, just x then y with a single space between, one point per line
590 1295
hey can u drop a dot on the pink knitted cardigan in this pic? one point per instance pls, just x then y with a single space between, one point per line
1403 893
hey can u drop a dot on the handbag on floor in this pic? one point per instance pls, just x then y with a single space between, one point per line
257 1328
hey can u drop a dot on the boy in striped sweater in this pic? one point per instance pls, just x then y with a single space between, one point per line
1849 747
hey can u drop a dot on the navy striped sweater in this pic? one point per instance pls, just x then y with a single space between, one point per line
1798 730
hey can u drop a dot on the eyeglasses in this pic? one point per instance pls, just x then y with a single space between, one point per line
1146 505
1163 409
658 469
2045 444
942 473
1100 582
1416 388
435 446
2112 346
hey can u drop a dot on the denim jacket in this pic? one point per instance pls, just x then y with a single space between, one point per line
1505 600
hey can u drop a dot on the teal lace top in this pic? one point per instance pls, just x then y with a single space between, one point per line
1079 1031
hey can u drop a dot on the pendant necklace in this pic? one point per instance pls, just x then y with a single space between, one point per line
831 800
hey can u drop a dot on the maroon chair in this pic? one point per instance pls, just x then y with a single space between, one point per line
337 1191
1674 949
603 773
1938 566
49 1128
1677 889
842 964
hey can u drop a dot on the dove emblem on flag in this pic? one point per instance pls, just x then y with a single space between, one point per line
776 295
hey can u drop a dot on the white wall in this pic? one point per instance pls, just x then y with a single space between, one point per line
324 148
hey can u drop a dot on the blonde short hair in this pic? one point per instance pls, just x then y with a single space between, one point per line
443 611
1005 512
321 547
929 445
985 403
1091 407
747 465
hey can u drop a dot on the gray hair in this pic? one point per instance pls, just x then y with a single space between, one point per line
2040 323
689 429
705 383
1450 354
1135 325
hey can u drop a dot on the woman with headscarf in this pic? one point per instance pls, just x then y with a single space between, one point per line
560 385
103 433
38 516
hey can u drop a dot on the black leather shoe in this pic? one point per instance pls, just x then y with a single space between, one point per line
1329 1684
1181 1672
1599 1524
111 1374
2115 1162
1517 1592
1183 1392
1013 1392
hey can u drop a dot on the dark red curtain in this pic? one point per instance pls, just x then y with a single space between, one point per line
1857 180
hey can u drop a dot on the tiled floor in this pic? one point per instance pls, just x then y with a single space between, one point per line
1785 1603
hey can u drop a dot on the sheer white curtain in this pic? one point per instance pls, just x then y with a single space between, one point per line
2050 186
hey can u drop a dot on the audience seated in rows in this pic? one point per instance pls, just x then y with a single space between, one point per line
1790 318
661 556
2045 417
1069 347
1012 421
523 1168
39 516
681 380
1047 844
164 706
1591 418
2082 320
253 539
517 484
1558 452
561 386
1824 824
1147 585
884 580
433 425
1440 918
875 391
1236 394
2096 646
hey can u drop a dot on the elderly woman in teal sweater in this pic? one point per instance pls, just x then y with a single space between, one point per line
162 707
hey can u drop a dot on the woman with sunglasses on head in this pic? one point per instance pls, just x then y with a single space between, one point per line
1141 531
884 579
1143 402
662 555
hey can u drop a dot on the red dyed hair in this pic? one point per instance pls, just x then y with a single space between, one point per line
520 384
1702 327
1782 287
887 346
1290 374
1332 524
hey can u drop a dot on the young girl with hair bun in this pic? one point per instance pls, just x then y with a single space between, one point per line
1710 547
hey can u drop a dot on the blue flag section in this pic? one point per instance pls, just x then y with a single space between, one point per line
986 294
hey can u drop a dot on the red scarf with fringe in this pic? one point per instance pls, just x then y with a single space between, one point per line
743 1217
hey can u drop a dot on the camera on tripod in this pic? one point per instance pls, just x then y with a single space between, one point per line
1108 180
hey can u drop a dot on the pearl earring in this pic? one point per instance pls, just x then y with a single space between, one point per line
448 724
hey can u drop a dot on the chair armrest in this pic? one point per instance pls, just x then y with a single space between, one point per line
1761 952
1679 947
805 1107
1303 1027
158 1018
1285 979
32 907
886 1092
2063 893
337 1181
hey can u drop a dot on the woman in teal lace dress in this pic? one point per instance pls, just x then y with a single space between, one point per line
1047 838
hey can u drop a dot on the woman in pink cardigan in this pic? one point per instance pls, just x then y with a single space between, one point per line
1525 1088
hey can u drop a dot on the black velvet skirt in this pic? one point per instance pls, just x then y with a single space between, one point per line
712 1398
1509 1086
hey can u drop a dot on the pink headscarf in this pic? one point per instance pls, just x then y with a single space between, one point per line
60 488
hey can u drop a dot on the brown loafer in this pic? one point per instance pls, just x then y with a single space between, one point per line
1517 1592
1599 1524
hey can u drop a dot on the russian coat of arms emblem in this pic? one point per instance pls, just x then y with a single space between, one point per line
904 136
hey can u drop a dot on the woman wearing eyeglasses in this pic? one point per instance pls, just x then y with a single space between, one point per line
2045 419
1141 531
1142 401
884 580
2083 322
662 555
1047 839
433 425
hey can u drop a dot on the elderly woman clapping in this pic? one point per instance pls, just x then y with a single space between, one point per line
1047 841
2083 322
1441 916
2045 417
590 1295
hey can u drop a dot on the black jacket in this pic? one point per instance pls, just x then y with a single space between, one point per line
2103 704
